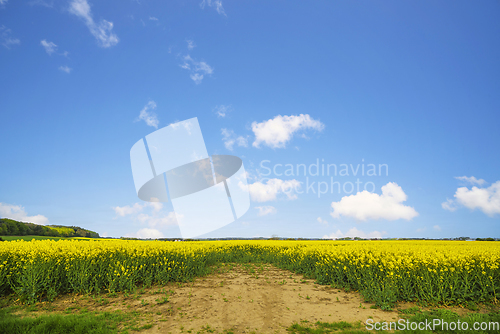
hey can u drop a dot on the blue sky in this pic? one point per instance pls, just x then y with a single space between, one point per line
410 85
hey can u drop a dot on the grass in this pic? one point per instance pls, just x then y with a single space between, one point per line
449 316
74 320
37 237
412 315
325 327
92 323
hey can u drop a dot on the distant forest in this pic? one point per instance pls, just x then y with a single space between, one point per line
13 227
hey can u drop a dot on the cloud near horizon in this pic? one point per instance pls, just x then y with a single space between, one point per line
17 212
148 233
486 199
150 214
354 232
266 210
365 205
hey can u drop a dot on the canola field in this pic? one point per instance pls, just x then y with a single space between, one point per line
434 272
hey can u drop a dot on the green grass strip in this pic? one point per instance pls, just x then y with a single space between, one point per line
84 323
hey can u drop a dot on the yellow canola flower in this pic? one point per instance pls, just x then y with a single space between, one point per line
444 265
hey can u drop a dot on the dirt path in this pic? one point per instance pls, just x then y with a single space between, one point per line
237 298
268 301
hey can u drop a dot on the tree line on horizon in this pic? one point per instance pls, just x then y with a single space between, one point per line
10 227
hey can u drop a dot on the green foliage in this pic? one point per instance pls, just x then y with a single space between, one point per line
39 270
383 295
70 323
9 227
55 324
74 231
37 237
64 231
448 316
13 227
325 328
413 315
163 300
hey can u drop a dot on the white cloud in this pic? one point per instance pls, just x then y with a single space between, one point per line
6 39
17 212
266 210
222 110
149 233
203 67
186 125
148 213
365 205
197 68
354 232
449 205
242 141
158 220
230 139
227 138
278 131
49 47
214 3
157 206
3 2
190 44
148 115
102 31
65 69
128 210
197 78
268 191
436 228
485 199
152 18
471 180
322 221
